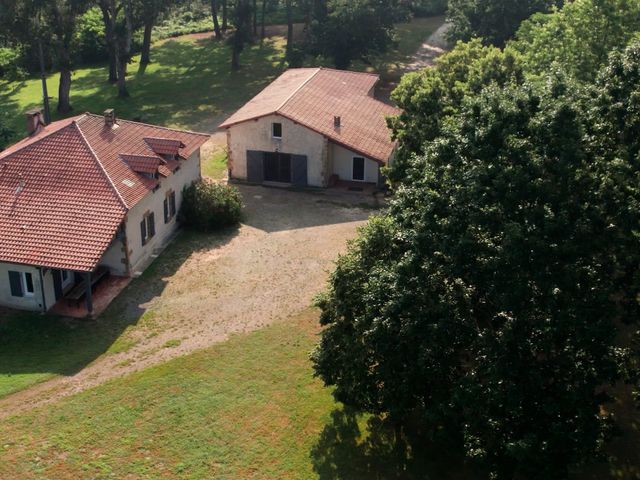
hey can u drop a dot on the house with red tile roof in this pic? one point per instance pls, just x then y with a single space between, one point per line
311 126
87 194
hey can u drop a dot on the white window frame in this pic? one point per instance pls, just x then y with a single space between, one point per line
25 290
273 135
364 168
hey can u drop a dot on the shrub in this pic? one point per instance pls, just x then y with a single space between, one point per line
209 206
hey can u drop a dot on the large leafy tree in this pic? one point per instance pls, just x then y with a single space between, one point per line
346 30
578 36
63 16
496 21
484 304
428 97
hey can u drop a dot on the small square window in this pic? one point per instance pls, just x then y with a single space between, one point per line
276 130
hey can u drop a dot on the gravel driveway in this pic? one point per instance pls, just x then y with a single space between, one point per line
266 271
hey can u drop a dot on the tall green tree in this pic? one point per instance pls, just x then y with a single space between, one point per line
6 132
495 21
148 11
346 30
484 306
242 15
119 27
578 36
429 97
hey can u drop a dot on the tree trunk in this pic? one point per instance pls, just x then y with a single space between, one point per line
235 58
225 18
123 51
255 18
110 41
122 77
145 55
289 29
216 24
264 10
64 89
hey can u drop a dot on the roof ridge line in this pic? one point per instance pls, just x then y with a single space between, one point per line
102 169
153 126
294 93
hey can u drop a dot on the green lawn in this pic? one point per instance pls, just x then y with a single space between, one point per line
215 165
246 408
189 84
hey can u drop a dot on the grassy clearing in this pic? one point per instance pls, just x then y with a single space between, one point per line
246 408
215 166
189 84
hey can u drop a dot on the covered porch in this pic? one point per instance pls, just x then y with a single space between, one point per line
89 294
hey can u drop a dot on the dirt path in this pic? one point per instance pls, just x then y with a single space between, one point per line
267 271
431 49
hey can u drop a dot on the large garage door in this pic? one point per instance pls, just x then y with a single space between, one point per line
276 167
255 169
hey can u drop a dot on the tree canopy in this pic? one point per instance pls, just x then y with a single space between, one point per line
495 21
484 305
578 36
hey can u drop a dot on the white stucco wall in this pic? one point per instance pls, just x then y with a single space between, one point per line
140 254
31 302
342 160
296 140
115 258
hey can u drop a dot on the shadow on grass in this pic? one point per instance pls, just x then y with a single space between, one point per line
33 347
349 449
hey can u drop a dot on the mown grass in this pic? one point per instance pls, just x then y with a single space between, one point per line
246 408
215 166
189 84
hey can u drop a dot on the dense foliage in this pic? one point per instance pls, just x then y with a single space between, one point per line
6 133
209 206
484 307
579 36
428 97
495 21
353 29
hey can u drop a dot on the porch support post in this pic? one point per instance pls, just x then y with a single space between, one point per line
89 300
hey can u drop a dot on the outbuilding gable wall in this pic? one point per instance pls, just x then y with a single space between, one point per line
296 140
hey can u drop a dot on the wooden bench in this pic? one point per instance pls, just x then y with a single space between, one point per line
77 293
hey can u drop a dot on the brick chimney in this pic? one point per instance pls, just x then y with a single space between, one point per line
35 121
109 117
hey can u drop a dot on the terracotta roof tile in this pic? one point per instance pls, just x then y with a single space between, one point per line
62 196
313 97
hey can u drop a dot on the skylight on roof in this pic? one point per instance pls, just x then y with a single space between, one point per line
128 183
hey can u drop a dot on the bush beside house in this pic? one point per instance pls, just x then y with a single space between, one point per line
209 206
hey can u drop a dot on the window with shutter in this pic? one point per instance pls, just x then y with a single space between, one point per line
15 281
143 230
172 203
167 217
152 224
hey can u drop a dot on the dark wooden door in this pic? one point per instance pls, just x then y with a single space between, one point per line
277 167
